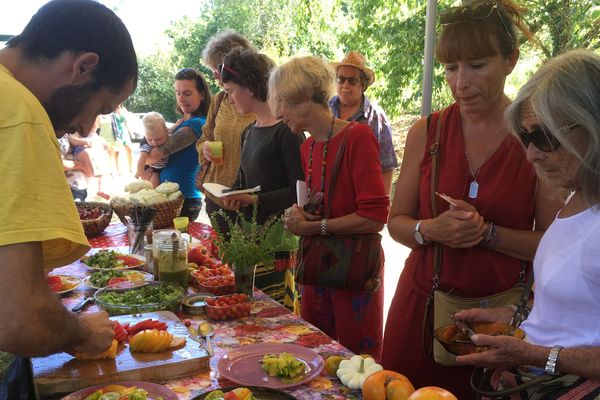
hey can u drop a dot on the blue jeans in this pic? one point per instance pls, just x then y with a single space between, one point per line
18 381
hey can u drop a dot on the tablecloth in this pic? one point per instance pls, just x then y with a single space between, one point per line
269 322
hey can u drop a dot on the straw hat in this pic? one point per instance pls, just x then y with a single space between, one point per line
356 60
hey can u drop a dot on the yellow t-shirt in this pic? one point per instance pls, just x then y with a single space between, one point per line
36 205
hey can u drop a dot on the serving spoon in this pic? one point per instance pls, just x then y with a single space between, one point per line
207 330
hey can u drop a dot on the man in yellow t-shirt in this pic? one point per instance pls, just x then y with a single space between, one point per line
55 77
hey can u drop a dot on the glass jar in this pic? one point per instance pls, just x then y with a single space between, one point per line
170 259
139 236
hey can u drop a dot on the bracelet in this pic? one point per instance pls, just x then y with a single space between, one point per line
491 239
552 361
324 227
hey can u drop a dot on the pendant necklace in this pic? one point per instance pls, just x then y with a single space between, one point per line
474 186
319 196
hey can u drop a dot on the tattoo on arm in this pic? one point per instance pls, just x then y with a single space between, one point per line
179 141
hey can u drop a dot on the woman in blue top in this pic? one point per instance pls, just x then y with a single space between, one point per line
193 98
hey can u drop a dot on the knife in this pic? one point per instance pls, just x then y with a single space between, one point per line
82 304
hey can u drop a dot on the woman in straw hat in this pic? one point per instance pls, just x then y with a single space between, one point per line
484 240
352 80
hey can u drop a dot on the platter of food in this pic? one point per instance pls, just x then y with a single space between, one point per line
106 259
259 365
244 392
124 391
61 284
103 278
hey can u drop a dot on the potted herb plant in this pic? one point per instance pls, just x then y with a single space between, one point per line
247 245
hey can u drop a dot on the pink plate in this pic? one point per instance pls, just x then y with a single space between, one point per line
154 390
242 365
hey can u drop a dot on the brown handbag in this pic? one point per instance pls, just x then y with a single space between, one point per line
340 261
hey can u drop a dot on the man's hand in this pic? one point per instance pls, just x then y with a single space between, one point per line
100 333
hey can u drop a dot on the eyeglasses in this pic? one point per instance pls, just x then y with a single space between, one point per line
351 80
474 12
542 140
226 68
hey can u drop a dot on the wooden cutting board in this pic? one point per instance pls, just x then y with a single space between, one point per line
61 373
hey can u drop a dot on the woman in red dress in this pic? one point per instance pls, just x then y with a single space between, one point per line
298 94
502 210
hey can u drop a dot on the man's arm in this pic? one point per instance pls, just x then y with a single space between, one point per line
34 322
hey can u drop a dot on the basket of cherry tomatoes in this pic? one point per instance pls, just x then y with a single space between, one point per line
234 306
217 279
94 216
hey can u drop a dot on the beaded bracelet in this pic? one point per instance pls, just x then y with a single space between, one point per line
324 227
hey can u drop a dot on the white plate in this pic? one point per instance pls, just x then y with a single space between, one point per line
142 262
70 279
147 277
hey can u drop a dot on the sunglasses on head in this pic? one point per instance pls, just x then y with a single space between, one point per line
224 68
351 80
473 12
542 140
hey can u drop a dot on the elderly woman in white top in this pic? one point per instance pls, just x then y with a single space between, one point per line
557 117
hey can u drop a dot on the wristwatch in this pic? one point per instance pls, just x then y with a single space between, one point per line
418 236
550 368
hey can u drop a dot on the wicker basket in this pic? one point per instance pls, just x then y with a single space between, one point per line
165 212
94 227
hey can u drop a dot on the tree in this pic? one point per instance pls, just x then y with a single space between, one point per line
154 90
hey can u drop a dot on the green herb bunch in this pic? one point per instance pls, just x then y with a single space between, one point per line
248 243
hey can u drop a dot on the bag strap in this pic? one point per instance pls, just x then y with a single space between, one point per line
437 248
334 172
489 392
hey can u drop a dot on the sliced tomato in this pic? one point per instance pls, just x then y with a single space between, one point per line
55 283
116 280
128 260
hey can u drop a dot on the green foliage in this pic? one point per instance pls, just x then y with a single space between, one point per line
248 243
154 91
389 33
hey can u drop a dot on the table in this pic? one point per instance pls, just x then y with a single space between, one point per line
269 322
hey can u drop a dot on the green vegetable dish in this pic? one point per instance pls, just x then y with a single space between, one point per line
101 278
106 259
151 296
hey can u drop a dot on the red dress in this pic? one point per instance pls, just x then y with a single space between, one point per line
352 317
507 184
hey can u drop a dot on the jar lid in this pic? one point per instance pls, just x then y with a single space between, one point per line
165 234
194 304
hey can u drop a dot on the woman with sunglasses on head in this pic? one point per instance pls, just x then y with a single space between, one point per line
270 157
557 117
484 240
225 124
193 97
298 94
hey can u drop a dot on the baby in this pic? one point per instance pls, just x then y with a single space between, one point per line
156 134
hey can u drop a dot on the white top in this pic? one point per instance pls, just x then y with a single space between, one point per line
566 308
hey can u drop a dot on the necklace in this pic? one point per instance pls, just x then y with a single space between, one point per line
474 186
319 195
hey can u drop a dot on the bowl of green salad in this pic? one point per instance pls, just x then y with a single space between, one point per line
139 297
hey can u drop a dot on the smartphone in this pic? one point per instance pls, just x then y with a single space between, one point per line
448 199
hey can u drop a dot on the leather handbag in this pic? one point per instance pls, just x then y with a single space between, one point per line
340 261
444 303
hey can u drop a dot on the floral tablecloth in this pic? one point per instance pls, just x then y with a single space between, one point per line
268 322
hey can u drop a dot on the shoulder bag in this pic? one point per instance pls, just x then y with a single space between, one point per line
340 261
445 303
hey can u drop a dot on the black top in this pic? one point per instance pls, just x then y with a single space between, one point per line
271 158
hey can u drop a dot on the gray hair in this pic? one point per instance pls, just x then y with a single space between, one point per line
222 43
566 89
300 79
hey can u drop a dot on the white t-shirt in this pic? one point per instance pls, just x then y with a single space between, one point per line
566 309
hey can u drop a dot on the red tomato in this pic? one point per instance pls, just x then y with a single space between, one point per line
230 396
115 280
55 283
